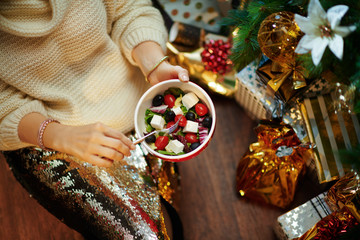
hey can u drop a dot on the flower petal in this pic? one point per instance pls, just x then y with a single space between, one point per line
336 45
335 13
344 31
311 41
306 25
316 13
318 49
304 41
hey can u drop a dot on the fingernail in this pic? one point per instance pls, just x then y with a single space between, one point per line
184 77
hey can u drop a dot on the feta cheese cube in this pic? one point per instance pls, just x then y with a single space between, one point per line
177 110
191 126
189 100
174 146
157 122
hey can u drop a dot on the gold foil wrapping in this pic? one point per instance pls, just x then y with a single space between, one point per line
346 192
283 80
269 172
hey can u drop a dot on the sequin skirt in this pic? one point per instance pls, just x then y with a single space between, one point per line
120 202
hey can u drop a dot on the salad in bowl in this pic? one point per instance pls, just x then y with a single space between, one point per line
169 102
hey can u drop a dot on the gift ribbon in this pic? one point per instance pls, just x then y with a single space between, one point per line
287 70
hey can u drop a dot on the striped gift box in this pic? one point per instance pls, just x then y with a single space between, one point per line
329 131
296 222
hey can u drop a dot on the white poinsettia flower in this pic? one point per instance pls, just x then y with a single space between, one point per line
322 29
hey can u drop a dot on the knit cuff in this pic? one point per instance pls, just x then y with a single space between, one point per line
9 138
142 34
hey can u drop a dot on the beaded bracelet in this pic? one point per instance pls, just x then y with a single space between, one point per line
155 67
42 128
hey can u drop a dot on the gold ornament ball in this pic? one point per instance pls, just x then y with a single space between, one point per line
278 37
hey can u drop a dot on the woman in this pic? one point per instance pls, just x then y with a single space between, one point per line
71 74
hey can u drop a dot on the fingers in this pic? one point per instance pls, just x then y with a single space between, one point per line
167 71
118 145
183 74
98 161
110 153
110 143
125 143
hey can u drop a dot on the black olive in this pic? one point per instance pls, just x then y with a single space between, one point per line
150 139
158 100
190 116
194 145
169 116
207 122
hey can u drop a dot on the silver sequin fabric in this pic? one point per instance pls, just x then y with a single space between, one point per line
120 202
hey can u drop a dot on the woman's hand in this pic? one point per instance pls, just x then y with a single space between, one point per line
96 143
147 55
166 71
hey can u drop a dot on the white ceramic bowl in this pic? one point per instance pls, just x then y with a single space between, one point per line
145 102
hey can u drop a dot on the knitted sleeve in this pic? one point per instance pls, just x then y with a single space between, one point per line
137 21
14 105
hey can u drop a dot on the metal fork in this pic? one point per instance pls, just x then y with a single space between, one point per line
166 130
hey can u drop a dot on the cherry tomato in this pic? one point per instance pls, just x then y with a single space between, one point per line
161 142
169 124
183 120
191 137
201 109
169 100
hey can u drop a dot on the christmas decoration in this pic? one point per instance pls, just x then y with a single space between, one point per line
329 131
221 79
322 19
278 36
298 221
252 95
322 29
332 226
282 82
201 14
270 170
215 56
186 35
343 198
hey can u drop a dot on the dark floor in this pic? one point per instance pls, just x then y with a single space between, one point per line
210 206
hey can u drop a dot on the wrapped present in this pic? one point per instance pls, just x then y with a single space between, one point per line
332 226
202 14
299 220
186 35
271 168
329 131
251 94
210 69
326 216
346 193
343 199
282 81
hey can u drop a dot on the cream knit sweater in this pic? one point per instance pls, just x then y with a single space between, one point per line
71 61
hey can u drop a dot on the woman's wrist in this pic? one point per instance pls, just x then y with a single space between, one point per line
44 125
147 55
